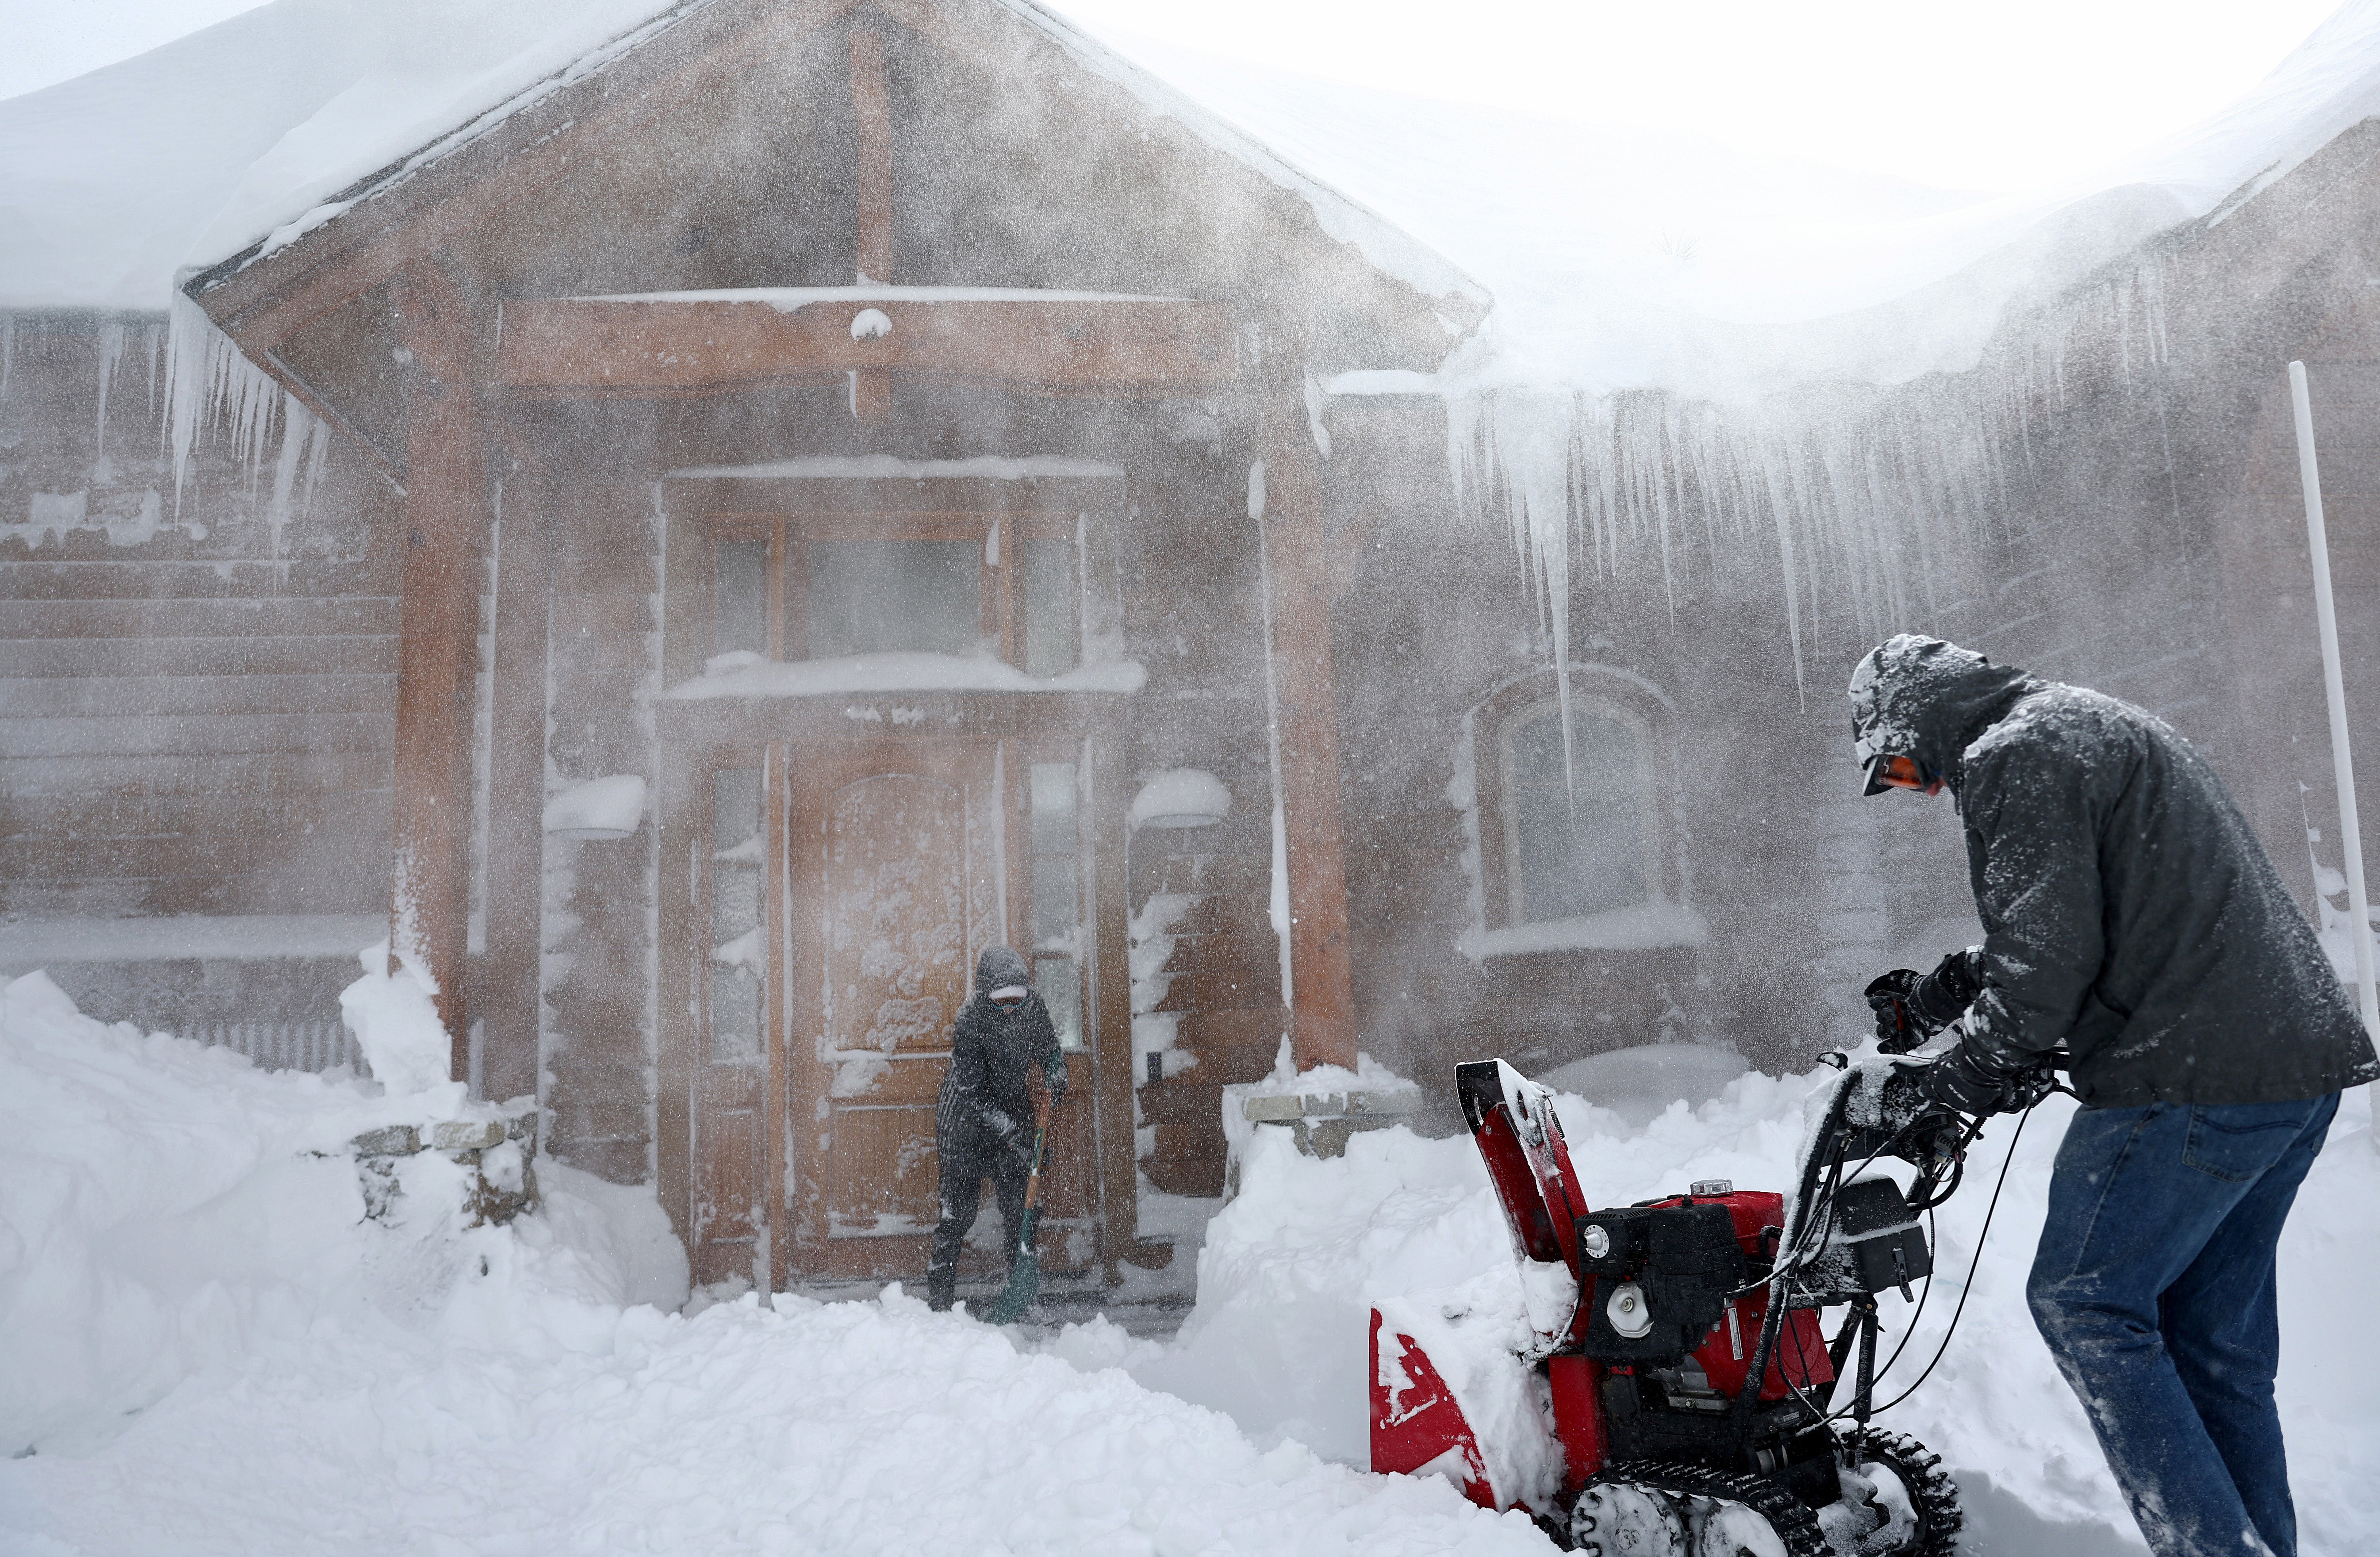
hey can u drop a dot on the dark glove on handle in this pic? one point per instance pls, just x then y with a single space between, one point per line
1889 995
1966 1082
1943 995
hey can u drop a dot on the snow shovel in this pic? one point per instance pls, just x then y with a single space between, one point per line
1025 1271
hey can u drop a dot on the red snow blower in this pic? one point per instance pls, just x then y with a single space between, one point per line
1673 1392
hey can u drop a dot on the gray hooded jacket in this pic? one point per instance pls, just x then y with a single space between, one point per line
2127 909
992 1049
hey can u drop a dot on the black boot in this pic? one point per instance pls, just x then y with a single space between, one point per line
941 1288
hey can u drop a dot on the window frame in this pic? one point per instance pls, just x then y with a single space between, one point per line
1548 710
1498 902
1001 591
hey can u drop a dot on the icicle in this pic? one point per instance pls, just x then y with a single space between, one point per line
111 351
298 426
207 379
7 352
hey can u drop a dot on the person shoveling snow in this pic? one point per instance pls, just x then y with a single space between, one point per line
1006 1072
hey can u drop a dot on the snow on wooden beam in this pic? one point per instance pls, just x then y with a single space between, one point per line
689 343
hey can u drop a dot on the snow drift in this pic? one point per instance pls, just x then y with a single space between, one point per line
205 1347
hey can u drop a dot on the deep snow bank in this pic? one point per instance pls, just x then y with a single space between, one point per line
207 1349
1291 1267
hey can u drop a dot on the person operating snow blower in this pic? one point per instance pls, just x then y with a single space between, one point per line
1004 1062
2130 917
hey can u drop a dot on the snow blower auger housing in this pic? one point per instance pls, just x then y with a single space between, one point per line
1698 1406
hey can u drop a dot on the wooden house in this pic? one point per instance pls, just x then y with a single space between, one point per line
911 462
785 391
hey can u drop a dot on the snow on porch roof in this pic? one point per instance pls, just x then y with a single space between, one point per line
238 139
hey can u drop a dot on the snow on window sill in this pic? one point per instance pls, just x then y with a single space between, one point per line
1643 927
743 674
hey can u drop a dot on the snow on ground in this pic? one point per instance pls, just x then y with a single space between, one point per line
205 1347
1291 1268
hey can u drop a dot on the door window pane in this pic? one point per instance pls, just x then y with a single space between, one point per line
738 862
1053 610
868 596
1056 884
1575 842
1059 982
739 598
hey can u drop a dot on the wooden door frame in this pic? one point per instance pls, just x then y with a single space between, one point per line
684 870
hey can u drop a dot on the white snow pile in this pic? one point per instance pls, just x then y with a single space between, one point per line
1181 797
612 806
1291 1267
206 1347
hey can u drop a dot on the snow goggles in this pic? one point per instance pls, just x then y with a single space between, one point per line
1895 772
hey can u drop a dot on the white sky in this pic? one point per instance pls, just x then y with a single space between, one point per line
1995 97
1999 97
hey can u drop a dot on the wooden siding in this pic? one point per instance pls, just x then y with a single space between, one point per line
195 696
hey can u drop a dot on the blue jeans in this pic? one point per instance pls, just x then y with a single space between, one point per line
2154 1287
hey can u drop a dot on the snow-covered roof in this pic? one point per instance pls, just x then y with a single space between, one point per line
1624 257
1616 257
261 127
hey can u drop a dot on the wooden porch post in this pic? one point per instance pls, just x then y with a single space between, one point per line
1322 985
509 1004
445 526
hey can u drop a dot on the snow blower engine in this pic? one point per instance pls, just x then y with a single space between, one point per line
1666 1387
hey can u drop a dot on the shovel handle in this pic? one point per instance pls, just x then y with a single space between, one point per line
1040 1129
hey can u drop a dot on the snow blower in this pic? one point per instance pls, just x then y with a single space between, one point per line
1668 1388
1025 1260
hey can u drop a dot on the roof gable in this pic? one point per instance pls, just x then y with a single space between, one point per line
1048 107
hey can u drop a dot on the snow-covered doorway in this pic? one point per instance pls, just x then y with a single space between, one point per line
906 859
922 676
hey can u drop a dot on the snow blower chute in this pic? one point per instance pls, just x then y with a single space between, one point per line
1698 1406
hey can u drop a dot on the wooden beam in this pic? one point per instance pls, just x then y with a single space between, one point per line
872 111
510 981
262 301
592 347
1323 980
446 527
871 108
1110 1017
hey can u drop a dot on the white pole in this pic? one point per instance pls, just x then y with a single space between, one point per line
2334 687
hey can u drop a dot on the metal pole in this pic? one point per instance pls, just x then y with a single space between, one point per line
2334 687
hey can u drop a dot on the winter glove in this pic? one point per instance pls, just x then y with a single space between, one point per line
1943 995
1896 1025
1965 1082
1911 1007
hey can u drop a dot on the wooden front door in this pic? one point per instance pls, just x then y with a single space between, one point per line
896 853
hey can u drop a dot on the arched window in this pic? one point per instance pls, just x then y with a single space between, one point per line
1576 841
1578 836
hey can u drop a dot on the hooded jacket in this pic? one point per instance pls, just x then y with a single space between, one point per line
2127 909
990 1050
